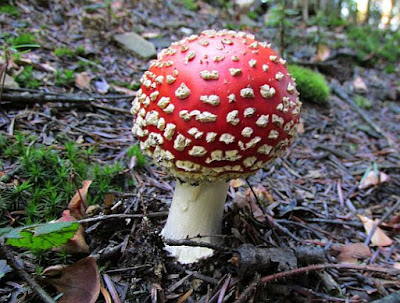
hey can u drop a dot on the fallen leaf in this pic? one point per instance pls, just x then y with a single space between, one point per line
82 80
79 282
77 244
48 68
236 183
257 212
323 52
379 237
372 178
106 295
353 252
102 86
300 127
77 205
359 85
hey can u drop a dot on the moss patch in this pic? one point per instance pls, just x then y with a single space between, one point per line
311 85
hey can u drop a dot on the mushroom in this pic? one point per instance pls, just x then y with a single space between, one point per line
212 107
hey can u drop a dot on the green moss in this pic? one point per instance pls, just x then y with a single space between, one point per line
134 151
189 4
67 52
362 102
25 40
65 77
61 52
372 43
41 183
9 10
27 79
311 85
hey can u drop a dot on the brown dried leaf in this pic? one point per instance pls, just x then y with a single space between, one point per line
236 183
257 212
372 179
79 282
77 205
300 127
359 85
323 52
82 80
379 238
106 295
78 243
351 253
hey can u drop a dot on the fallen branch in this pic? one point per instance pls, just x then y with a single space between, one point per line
392 298
345 97
303 270
8 255
41 97
122 216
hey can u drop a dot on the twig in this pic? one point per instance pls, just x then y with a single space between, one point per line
384 217
8 255
392 298
337 152
122 216
110 108
41 97
345 97
306 269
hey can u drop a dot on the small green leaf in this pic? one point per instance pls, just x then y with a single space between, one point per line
42 236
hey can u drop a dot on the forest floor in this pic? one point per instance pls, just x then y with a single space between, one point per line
313 204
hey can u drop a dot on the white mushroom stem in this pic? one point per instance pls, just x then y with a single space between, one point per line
195 210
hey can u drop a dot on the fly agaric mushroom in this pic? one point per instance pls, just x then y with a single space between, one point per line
212 107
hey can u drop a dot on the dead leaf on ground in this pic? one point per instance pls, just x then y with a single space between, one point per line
236 183
323 53
82 80
78 243
359 85
106 295
373 178
78 205
102 86
300 127
79 282
353 252
379 238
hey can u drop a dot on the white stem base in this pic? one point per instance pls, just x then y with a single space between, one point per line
195 210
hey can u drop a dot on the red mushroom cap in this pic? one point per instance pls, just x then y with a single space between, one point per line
216 106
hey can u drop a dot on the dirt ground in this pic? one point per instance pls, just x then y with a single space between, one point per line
308 204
